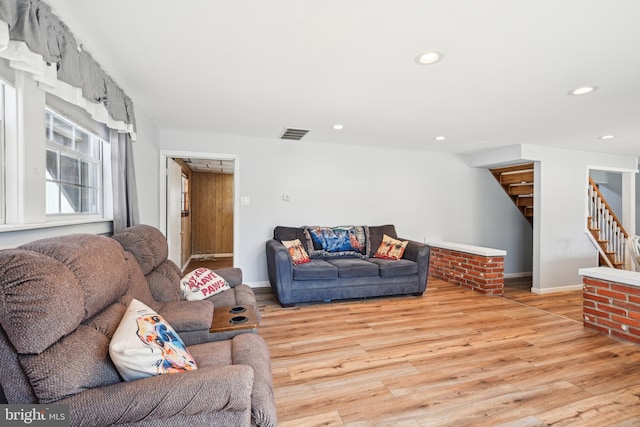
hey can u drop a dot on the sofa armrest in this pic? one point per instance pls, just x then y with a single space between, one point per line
280 269
232 275
252 350
196 393
188 315
420 253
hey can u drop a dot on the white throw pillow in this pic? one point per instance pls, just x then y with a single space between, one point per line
202 283
144 345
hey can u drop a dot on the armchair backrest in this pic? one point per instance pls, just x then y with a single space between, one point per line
58 297
149 246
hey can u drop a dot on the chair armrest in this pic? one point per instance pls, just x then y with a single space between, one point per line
205 390
252 350
280 269
232 275
187 315
421 254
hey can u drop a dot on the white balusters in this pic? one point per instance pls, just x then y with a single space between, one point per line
609 229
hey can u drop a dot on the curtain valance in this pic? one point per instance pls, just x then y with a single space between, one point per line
35 40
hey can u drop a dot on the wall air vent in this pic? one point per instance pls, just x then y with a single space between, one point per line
294 134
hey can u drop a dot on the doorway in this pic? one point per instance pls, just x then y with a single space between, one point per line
209 205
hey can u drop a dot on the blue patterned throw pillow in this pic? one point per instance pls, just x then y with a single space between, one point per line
340 239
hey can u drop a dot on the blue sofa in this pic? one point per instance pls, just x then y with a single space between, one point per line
344 275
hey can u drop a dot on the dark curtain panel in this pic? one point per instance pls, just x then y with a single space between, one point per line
125 196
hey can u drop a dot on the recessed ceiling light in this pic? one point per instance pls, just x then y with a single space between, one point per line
429 57
582 90
337 127
607 136
439 138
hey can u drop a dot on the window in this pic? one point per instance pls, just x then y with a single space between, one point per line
73 168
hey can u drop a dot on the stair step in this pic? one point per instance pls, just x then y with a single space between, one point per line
525 201
523 167
517 178
520 189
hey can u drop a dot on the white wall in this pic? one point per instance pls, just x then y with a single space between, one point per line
425 194
610 185
146 153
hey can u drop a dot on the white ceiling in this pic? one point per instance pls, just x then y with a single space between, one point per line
254 67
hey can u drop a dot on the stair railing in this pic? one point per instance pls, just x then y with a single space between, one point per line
602 218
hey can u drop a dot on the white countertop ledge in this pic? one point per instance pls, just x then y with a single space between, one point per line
609 274
476 250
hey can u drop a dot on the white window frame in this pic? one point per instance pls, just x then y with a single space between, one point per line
3 156
103 163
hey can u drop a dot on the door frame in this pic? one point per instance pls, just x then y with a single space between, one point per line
174 220
176 154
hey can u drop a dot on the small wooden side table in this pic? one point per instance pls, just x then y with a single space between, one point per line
233 318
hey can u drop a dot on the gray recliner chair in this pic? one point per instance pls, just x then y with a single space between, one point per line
61 300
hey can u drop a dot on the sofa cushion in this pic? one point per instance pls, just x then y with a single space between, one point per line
37 291
281 233
145 345
163 282
315 270
59 281
202 283
354 267
146 243
77 362
97 262
391 248
138 285
395 268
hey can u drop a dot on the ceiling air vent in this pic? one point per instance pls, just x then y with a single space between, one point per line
295 134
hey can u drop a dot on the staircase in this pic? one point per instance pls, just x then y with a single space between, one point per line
608 234
517 182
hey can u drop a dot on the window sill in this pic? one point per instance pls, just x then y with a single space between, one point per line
51 224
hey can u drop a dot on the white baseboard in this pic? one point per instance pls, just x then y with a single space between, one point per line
557 289
517 275
264 284
208 256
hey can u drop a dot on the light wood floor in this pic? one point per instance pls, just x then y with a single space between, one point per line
449 358
212 263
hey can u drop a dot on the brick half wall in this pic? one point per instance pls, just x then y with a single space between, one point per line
612 308
480 273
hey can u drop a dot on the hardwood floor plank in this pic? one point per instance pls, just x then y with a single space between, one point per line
328 419
449 358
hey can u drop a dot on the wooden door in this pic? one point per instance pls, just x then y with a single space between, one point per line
212 209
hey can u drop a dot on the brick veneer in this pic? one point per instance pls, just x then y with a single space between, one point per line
612 308
483 274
